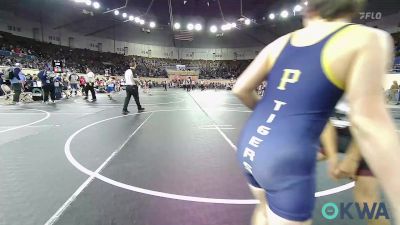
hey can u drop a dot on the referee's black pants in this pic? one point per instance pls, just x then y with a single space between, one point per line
131 90
90 87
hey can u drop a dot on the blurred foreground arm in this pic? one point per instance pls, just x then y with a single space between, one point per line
372 126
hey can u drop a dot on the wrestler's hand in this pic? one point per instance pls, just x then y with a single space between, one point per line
347 168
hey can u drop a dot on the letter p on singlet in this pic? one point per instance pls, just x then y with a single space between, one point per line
289 76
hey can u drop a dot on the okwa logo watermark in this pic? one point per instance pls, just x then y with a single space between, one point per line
370 15
354 210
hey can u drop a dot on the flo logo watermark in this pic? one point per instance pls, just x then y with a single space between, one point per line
370 15
331 211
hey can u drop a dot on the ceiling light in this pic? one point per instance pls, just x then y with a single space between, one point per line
131 18
116 12
271 16
223 27
247 21
213 29
284 14
233 25
141 22
152 24
96 5
137 20
306 3
177 26
297 8
198 27
190 26
88 2
124 15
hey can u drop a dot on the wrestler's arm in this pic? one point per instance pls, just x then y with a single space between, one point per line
348 167
353 152
329 140
247 83
256 73
372 126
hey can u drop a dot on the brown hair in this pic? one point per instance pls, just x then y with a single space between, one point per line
333 9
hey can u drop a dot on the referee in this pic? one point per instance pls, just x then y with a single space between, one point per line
90 80
131 89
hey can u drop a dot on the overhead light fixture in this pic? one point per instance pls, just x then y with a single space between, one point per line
190 26
284 14
96 5
271 16
228 26
116 12
152 24
297 8
88 2
177 26
247 21
198 27
213 29
141 22
131 18
223 27
137 20
124 15
306 3
233 25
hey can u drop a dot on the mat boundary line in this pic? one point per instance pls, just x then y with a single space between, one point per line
54 218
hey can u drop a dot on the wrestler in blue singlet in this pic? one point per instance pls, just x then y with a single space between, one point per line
279 143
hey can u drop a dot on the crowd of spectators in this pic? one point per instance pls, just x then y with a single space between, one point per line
222 69
34 54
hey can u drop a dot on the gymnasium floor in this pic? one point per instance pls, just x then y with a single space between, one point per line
78 162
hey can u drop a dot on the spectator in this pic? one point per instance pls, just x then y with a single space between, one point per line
17 82
47 85
73 79
57 86
393 90
82 84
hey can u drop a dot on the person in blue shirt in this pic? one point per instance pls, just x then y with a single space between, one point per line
307 71
17 82
47 84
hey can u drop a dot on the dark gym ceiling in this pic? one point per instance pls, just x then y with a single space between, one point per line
68 15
